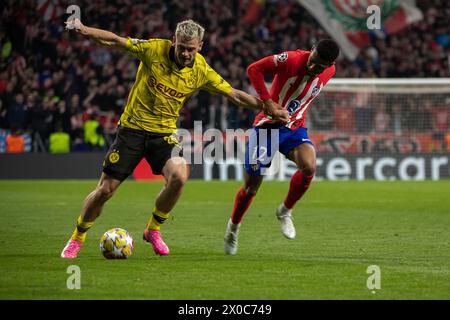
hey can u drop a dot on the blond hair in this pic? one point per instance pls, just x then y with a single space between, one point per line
188 30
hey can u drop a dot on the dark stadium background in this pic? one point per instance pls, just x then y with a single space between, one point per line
52 80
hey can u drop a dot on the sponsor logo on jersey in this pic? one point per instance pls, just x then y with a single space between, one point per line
163 88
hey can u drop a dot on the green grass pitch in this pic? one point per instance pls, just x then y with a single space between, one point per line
342 228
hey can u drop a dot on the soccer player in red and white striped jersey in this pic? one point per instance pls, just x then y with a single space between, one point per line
298 77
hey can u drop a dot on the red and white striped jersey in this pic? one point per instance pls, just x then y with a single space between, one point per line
291 87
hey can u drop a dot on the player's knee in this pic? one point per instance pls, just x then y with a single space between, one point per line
308 169
177 179
251 190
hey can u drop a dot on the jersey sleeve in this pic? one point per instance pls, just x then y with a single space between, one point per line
141 49
331 71
268 66
214 83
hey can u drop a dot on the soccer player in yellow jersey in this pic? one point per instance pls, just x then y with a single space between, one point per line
169 72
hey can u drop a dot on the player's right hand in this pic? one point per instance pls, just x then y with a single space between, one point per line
74 24
273 109
281 115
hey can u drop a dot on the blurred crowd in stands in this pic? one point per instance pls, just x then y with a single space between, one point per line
57 84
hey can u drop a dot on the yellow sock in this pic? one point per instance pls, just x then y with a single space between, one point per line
157 219
80 231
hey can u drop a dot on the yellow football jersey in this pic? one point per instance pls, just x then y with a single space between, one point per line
161 88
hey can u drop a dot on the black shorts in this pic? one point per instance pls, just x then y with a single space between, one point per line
130 146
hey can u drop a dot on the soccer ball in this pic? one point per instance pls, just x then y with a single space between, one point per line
116 243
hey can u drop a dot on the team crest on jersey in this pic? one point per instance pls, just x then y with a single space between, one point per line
114 156
280 57
293 106
192 79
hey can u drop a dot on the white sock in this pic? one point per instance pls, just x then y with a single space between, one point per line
282 208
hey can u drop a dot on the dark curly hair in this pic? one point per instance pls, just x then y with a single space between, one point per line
328 50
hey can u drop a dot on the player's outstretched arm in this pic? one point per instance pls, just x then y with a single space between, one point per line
103 37
243 99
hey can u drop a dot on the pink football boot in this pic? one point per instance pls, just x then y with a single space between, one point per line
154 237
71 249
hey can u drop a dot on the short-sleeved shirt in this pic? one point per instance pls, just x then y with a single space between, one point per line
161 88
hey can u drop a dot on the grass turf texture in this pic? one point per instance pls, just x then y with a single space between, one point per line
342 228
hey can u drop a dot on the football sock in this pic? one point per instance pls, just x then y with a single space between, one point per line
241 204
157 219
297 188
80 231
